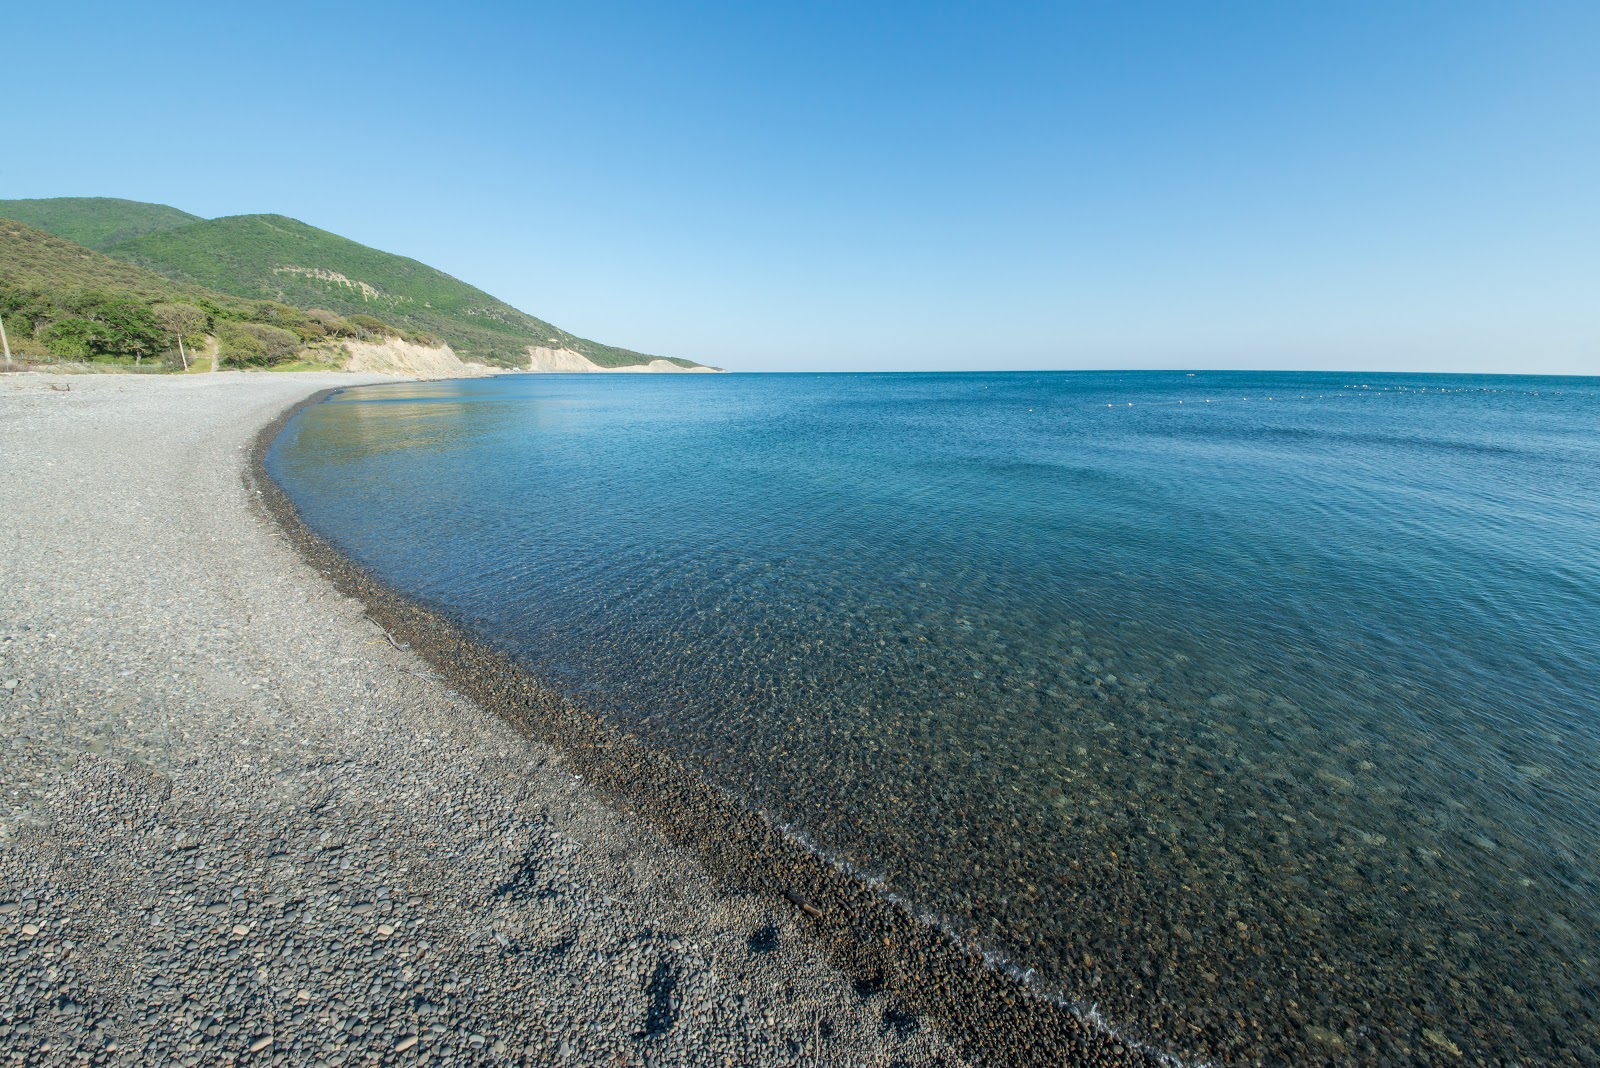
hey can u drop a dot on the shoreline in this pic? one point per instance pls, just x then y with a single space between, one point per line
238 826
879 943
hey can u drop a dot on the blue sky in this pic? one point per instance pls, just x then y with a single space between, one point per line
1406 186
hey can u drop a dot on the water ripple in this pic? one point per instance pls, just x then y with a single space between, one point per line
1264 722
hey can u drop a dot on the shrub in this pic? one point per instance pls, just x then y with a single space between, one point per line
70 339
255 343
26 311
370 324
333 324
273 313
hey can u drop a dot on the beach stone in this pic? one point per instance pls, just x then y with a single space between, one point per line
261 717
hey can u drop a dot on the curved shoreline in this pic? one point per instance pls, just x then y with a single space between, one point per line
989 1015
237 825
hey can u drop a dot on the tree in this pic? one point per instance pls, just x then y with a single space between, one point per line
181 321
126 327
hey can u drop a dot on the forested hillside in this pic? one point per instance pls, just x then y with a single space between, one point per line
95 222
276 258
62 301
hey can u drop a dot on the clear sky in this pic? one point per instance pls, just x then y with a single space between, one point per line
790 186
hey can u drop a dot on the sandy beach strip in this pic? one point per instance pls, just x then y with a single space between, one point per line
238 823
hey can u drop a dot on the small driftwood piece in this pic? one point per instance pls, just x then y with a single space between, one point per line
803 905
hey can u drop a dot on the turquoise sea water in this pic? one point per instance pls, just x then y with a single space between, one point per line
1258 714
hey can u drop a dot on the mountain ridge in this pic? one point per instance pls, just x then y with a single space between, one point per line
95 222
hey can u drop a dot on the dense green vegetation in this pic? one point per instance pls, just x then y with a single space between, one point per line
275 258
95 222
61 301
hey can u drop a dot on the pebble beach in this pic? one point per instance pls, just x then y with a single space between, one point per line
241 822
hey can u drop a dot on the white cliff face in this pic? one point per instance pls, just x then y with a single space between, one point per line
566 361
392 356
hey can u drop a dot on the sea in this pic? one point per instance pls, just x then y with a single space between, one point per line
1256 716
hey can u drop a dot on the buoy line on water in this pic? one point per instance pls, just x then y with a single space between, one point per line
1324 396
1208 400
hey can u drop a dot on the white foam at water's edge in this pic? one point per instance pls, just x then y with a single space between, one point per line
992 959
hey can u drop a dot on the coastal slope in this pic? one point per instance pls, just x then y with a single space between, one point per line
277 258
65 302
396 356
236 821
569 361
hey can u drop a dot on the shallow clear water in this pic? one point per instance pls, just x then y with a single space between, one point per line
1257 711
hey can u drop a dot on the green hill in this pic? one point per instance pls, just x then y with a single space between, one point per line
275 258
62 301
95 222
279 258
33 259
